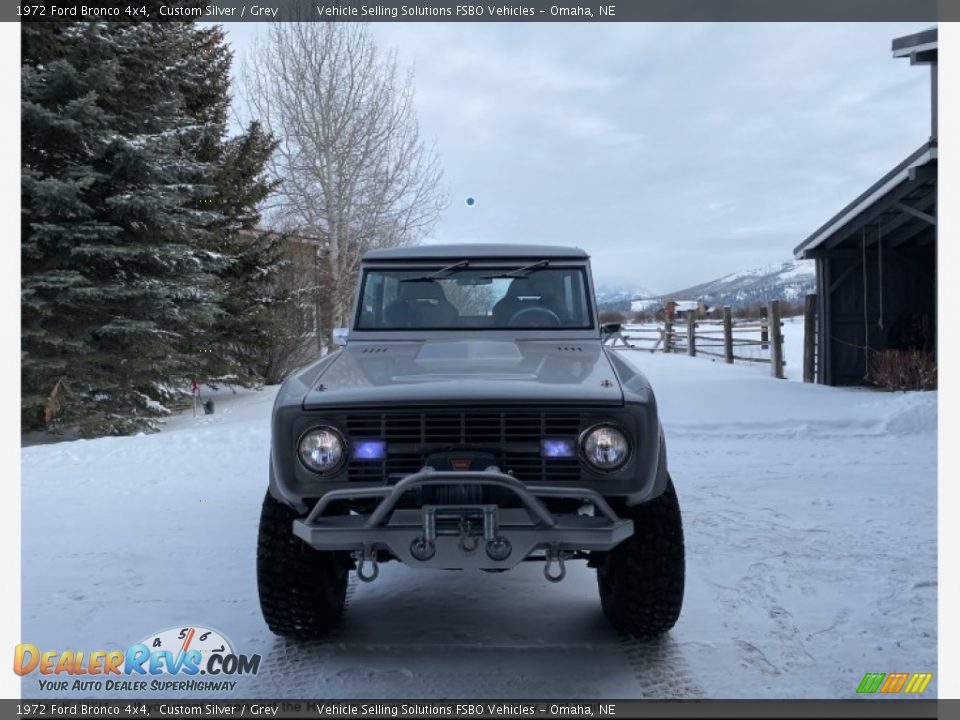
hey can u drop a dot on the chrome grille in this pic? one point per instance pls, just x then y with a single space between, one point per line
513 437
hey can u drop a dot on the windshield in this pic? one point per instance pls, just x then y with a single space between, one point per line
460 296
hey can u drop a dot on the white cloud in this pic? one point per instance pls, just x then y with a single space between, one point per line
673 153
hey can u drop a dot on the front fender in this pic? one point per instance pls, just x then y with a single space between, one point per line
661 479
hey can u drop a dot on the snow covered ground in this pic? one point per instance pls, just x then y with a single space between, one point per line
810 519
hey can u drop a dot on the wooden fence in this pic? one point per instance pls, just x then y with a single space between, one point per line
713 337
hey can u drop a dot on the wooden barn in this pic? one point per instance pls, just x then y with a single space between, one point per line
876 260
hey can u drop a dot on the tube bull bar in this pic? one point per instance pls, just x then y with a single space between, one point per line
450 536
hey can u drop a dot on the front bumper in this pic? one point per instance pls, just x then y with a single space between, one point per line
463 536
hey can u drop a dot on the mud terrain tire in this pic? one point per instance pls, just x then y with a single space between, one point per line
641 580
302 591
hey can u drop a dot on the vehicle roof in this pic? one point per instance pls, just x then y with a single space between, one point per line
491 251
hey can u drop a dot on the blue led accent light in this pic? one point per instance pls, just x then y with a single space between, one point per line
555 448
369 450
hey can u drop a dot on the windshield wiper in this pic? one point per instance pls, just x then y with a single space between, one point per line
520 271
448 269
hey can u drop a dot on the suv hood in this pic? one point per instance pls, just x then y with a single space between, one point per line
467 371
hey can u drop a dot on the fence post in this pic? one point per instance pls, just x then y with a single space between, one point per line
691 333
809 338
764 328
776 342
727 335
667 334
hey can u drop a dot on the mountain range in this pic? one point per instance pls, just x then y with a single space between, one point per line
789 280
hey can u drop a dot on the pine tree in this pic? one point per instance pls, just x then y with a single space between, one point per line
114 273
61 122
142 263
253 298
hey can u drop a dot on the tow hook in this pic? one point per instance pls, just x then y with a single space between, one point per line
363 557
423 549
555 556
468 542
499 548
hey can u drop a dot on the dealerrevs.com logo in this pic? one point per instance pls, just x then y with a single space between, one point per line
180 652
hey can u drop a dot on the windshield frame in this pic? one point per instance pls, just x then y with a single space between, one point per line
503 265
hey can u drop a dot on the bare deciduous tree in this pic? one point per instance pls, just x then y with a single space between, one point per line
351 165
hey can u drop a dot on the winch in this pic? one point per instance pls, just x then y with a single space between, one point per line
470 524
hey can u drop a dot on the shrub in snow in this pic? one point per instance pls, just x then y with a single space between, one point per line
903 370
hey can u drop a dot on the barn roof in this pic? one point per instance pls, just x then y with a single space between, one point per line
909 186
920 47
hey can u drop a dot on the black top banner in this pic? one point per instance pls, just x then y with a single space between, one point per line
477 709
515 11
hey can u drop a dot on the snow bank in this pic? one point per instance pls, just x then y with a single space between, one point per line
700 397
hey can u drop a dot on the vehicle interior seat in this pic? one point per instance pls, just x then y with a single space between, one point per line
421 303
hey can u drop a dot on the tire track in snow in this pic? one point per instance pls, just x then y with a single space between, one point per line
660 668
399 641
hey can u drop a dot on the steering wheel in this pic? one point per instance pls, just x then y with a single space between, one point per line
528 317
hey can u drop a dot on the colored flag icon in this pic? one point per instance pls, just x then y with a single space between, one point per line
893 683
918 683
871 682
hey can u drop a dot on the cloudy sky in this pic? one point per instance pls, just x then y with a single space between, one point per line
673 153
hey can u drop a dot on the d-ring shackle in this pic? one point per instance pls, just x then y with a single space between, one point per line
363 557
554 555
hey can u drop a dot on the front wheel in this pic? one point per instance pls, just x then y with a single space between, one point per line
302 591
641 580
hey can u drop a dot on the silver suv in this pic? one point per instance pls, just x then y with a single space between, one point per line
471 419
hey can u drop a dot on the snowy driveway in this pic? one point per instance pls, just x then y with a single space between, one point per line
810 517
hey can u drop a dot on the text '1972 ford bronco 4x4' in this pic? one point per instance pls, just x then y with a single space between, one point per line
473 419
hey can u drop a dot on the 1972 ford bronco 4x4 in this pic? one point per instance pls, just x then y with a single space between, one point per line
472 419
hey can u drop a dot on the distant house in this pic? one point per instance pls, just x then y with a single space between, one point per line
680 309
304 251
304 270
876 260
306 265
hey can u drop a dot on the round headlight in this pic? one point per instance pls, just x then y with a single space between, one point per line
605 447
321 449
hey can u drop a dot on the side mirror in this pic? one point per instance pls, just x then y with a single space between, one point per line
609 328
340 336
